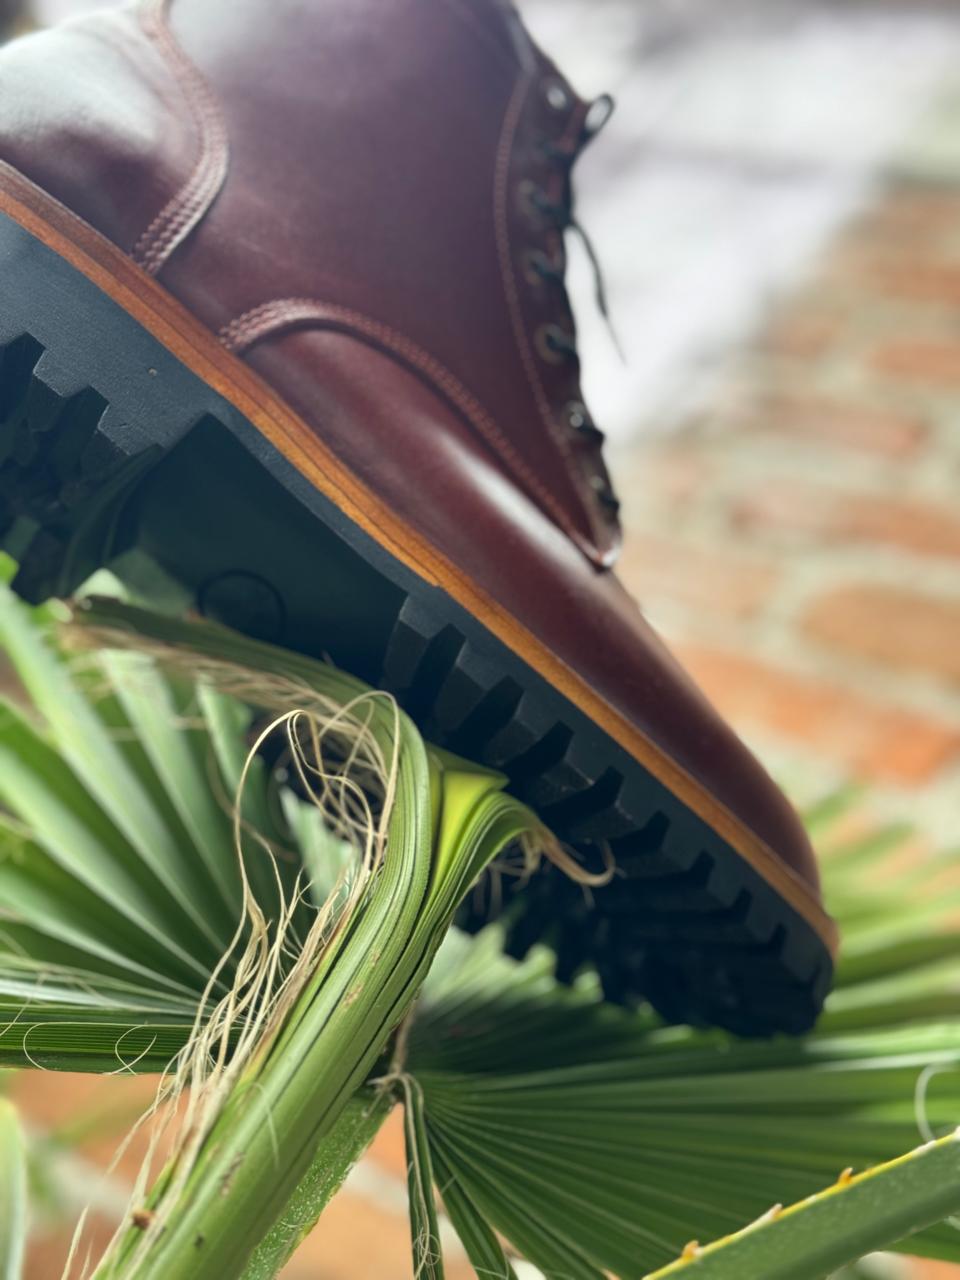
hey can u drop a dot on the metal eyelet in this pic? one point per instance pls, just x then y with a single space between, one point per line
536 266
579 420
552 343
577 416
528 195
539 266
598 114
602 488
557 95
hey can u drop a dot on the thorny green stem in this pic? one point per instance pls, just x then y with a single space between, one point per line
857 1216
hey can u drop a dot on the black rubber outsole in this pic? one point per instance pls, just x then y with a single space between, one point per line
113 453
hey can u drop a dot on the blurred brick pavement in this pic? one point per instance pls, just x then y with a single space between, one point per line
798 540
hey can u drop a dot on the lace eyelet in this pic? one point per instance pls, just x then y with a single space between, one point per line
605 495
579 420
598 114
529 198
539 266
535 265
557 96
553 344
577 416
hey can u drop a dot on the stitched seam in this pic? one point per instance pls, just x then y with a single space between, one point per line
254 325
181 214
504 156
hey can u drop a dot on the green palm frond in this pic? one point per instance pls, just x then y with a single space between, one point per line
828 1228
594 1140
598 1141
119 881
120 790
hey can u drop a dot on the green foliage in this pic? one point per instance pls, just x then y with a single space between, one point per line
811 1238
338 1152
598 1141
106 814
115 902
594 1140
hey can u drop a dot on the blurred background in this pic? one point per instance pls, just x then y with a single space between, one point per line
776 203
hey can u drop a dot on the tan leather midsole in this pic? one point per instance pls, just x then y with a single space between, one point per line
197 348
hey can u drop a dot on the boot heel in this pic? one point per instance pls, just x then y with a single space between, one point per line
79 379
114 453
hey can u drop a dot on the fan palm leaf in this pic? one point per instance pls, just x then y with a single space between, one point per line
588 1139
598 1141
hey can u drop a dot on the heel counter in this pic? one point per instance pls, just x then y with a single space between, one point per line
90 112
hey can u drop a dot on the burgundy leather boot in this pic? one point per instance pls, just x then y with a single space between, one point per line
284 336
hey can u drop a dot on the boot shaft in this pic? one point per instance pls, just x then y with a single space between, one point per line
405 166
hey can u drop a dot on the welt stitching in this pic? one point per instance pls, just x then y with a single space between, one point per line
181 214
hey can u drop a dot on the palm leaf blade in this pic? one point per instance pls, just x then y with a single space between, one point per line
13 1193
810 1240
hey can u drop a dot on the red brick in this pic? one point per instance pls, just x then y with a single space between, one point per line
915 279
926 360
734 586
47 1251
924 1270
671 475
906 214
901 629
803 333
357 1239
389 1149
826 420
871 739
920 527
51 1100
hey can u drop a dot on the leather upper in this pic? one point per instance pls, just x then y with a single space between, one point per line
353 195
